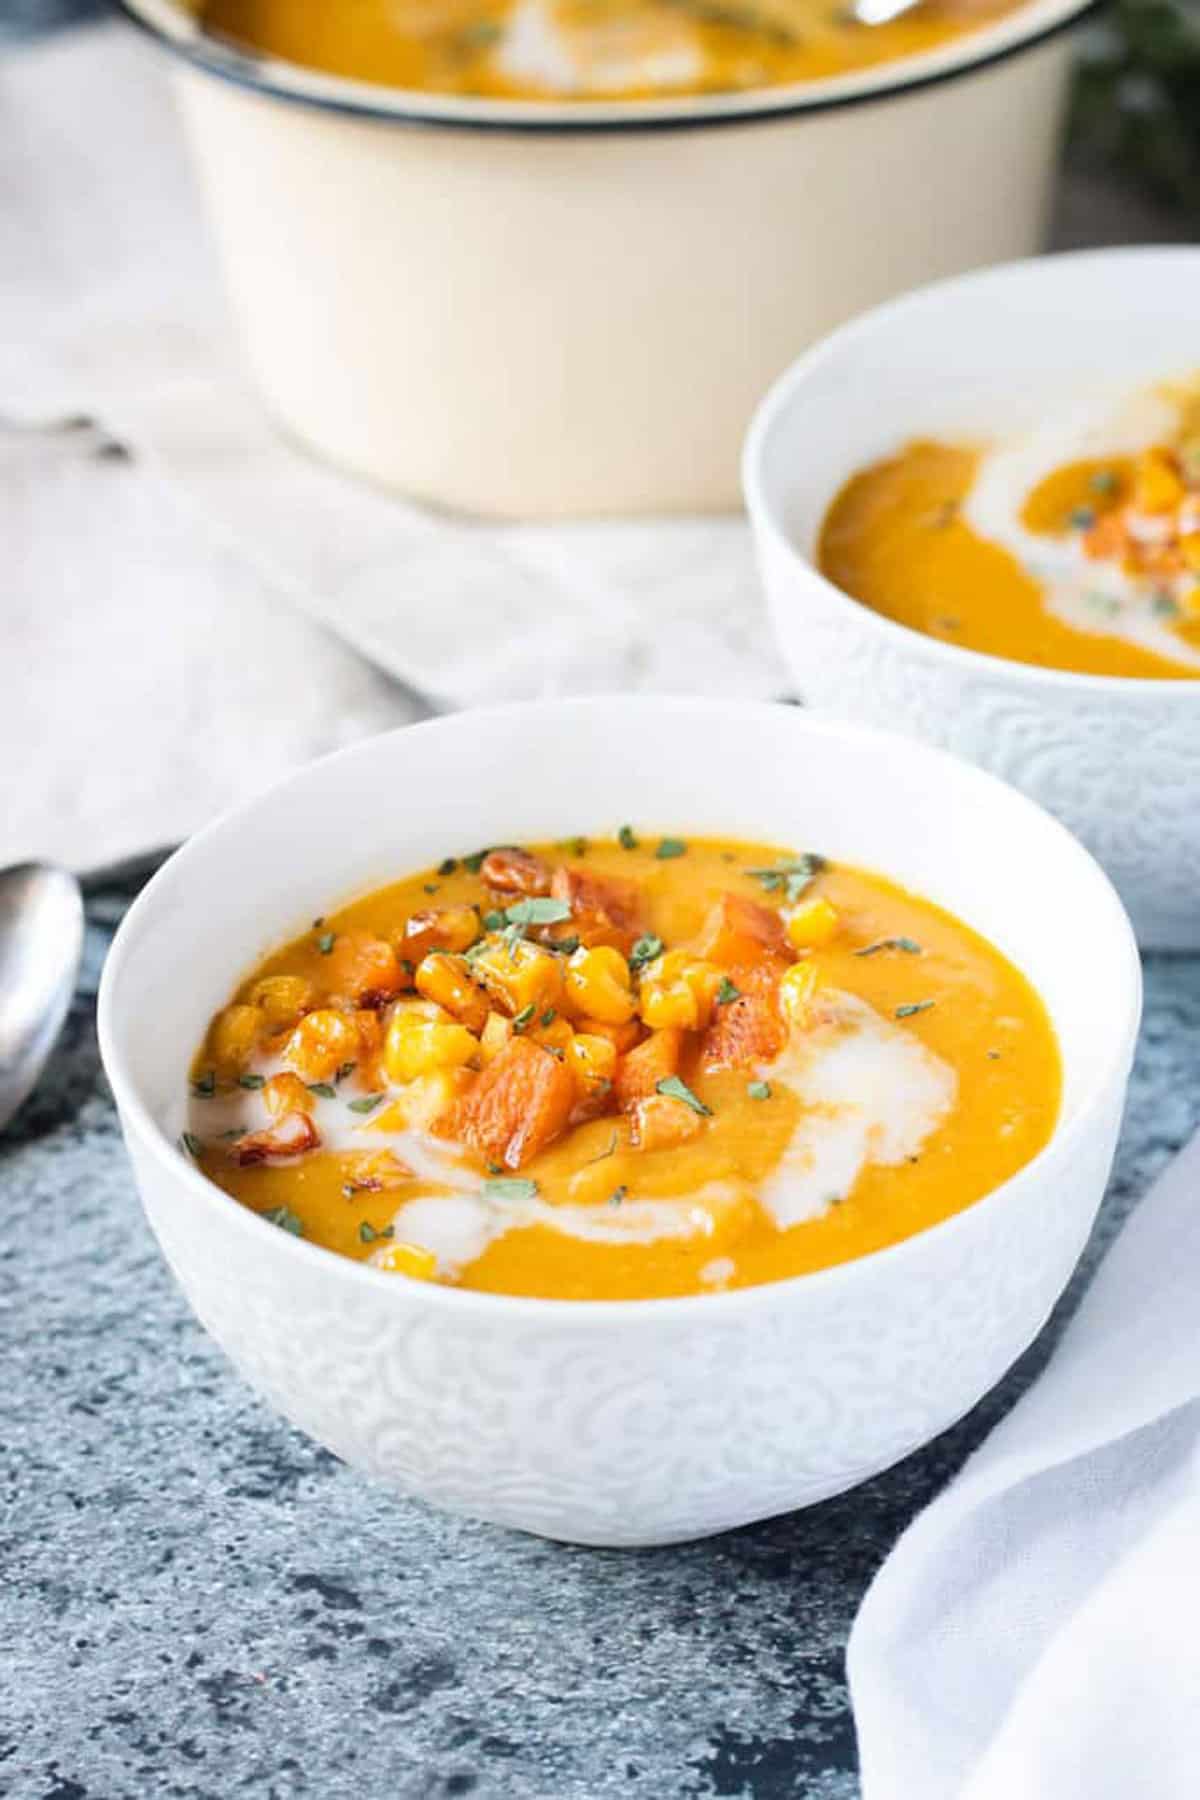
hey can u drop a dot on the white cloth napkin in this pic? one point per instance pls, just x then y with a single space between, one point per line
148 617
1035 1635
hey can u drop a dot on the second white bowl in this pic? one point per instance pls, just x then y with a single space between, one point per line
1118 760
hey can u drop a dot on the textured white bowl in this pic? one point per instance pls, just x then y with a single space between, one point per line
539 308
1117 760
636 1422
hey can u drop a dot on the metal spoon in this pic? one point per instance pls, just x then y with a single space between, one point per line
41 941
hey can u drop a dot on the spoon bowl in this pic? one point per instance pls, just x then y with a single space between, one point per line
41 941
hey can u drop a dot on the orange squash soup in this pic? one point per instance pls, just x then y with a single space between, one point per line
624 1069
586 49
1076 548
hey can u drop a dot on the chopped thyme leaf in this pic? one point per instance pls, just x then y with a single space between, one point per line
646 950
578 846
447 865
566 946
510 1187
232 1135
914 1006
618 1194
495 1168
429 887
669 848
537 912
322 1088
318 922
474 862
1164 605
627 838
759 1090
367 1104
346 1068
189 1142
524 1017
493 921
349 1189
1104 481
791 876
727 991
907 944
206 1087
1082 518
367 1233
285 1218
548 1017
325 942
675 1089
251 1081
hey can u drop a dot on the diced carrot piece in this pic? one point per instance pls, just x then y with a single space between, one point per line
738 931
605 909
660 1122
750 1028
362 969
515 871
519 1103
290 1136
639 1073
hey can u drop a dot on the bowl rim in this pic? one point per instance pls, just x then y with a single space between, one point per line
136 1115
1031 24
785 392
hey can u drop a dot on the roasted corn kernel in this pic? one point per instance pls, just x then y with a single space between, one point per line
520 974
599 985
813 923
447 981
796 989
281 999
421 1038
233 1040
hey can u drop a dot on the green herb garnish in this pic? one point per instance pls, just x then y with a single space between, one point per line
1104 481
251 1081
627 838
285 1218
578 846
537 912
566 946
1082 517
669 848
907 944
325 942
510 1187
728 991
548 1017
618 1194
367 1233
474 862
675 1089
759 1090
429 887
524 1017
447 865
493 921
1164 605
367 1104
346 1068
914 1006
322 1088
646 950
791 876
206 1087
190 1143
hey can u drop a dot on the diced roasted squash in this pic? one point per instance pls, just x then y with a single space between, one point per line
323 1042
286 1093
519 975
514 871
447 980
659 1122
738 930
450 928
281 999
605 909
749 1029
639 1072
232 1040
519 1103
292 1135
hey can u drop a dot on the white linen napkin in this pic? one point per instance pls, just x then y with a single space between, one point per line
1035 1634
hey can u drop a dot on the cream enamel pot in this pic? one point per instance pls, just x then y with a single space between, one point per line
562 309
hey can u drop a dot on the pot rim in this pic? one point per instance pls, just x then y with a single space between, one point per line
179 31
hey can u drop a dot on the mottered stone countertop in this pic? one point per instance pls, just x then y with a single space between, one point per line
198 1603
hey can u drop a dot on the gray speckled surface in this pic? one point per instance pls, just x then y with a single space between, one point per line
196 1602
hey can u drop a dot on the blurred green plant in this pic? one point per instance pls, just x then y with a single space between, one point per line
1137 96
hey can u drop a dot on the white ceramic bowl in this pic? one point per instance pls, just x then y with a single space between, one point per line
637 1422
533 308
1117 760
